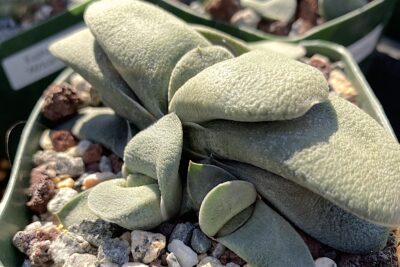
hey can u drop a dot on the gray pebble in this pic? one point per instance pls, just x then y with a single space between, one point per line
65 164
200 242
82 146
67 244
232 264
172 260
146 246
218 251
182 232
246 18
114 251
87 260
43 156
63 196
95 232
105 164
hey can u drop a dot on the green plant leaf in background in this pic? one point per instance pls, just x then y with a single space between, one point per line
331 9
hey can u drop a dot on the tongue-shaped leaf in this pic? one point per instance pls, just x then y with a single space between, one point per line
144 43
193 62
236 46
335 150
81 52
156 152
202 178
130 207
101 125
257 86
267 239
312 213
280 10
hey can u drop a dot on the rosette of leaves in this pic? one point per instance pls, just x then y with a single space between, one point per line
269 113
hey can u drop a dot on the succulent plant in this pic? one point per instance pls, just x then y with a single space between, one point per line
196 93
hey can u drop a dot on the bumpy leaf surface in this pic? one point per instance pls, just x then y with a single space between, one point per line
193 62
312 213
156 152
335 150
130 207
257 86
144 43
76 210
82 53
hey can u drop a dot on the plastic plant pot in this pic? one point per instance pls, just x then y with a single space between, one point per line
358 30
13 212
27 67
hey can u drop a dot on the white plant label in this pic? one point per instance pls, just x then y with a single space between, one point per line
366 45
35 62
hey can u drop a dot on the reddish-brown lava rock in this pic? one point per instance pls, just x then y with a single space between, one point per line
222 9
92 154
60 101
62 140
41 193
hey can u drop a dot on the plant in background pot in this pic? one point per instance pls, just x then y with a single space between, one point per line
273 149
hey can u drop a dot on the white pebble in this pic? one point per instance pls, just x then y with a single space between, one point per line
33 226
210 262
105 164
146 246
325 262
185 255
45 140
63 196
246 17
172 260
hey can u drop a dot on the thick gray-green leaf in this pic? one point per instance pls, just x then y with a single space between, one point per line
76 210
335 150
257 86
101 125
82 53
236 46
137 179
312 213
222 203
280 10
129 207
156 152
330 9
267 240
236 222
144 43
201 178
193 62
294 51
